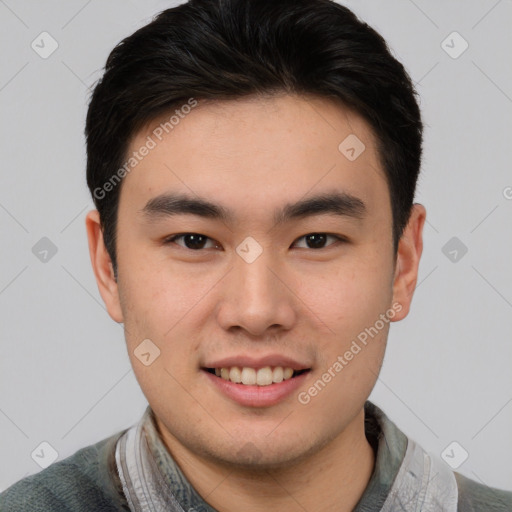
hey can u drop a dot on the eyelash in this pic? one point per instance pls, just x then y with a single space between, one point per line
173 238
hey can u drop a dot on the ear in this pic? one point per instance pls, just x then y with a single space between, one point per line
102 266
408 257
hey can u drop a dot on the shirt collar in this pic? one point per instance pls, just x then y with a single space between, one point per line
387 440
390 445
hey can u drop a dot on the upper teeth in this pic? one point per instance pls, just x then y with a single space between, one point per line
250 376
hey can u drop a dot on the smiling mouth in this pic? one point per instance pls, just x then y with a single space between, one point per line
256 376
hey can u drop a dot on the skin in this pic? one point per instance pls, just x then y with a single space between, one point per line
253 156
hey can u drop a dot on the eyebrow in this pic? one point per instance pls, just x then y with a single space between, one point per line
334 203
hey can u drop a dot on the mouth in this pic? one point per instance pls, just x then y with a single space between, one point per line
261 377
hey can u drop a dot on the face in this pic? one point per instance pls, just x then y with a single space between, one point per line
289 267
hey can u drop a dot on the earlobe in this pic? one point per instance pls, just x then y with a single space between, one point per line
408 257
102 266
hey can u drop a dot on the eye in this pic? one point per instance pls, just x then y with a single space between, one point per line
318 240
197 241
192 241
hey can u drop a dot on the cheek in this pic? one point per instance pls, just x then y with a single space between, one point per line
161 303
349 306
348 296
158 293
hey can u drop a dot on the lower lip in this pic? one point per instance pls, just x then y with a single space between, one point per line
257 396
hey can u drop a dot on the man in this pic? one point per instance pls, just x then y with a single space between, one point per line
253 164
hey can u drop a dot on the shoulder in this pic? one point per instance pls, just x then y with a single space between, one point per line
476 497
87 480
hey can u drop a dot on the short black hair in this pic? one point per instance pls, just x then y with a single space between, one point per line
227 49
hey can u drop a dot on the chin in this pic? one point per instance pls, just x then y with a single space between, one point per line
263 454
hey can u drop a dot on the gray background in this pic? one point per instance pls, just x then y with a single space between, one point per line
65 377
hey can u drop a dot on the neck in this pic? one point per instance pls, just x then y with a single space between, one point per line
332 479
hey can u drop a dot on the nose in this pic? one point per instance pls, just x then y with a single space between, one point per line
257 297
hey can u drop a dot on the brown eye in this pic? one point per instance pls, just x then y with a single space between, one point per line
192 241
318 240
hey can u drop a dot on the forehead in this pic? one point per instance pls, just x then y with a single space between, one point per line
257 150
